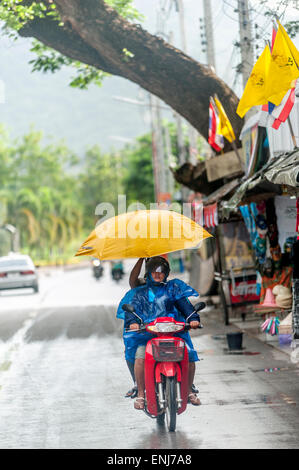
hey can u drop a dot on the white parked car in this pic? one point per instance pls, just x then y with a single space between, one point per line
17 271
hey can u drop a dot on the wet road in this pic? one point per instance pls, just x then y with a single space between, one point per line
63 377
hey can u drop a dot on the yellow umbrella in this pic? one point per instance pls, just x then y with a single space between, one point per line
142 234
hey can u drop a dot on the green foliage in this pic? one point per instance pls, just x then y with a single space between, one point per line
48 60
51 196
37 193
125 9
99 181
138 178
14 14
292 28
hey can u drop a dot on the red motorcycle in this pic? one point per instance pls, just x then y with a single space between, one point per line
166 368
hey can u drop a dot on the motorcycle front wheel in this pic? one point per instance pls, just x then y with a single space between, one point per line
161 419
171 398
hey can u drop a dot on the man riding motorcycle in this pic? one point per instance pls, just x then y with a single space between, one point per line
117 269
159 297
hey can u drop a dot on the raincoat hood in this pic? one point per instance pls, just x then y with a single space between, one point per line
150 282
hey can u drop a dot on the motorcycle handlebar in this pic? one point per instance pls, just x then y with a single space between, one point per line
142 328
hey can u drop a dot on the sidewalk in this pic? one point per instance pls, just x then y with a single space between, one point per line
251 326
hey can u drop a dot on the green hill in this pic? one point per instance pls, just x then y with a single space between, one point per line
82 118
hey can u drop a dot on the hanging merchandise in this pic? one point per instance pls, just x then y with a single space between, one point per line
271 222
250 223
271 325
255 220
211 215
197 208
258 283
259 212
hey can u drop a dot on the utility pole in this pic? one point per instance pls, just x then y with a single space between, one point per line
192 133
169 181
247 55
160 146
156 162
209 36
179 120
182 25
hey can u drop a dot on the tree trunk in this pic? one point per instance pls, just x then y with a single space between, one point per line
95 34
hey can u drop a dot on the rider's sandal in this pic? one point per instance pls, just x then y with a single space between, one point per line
131 393
193 399
194 389
139 403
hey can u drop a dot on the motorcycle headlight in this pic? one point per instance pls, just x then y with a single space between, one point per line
165 327
96 262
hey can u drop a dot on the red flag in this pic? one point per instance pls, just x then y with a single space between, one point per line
282 111
274 31
211 215
215 138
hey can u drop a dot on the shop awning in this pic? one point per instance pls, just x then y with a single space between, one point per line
221 192
285 170
281 170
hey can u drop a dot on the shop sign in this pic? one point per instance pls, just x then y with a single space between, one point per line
243 291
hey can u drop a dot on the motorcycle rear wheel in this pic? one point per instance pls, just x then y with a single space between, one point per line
171 409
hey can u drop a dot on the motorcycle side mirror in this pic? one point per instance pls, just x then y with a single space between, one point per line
199 306
128 308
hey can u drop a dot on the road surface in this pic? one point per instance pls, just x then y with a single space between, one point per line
63 378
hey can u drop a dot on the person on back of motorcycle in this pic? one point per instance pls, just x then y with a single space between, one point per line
157 298
138 282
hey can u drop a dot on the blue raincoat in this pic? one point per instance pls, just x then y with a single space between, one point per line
152 301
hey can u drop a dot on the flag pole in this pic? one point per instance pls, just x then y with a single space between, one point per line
292 132
237 153
233 142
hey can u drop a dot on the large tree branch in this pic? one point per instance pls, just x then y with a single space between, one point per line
95 34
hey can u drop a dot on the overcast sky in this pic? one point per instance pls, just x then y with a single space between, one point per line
226 29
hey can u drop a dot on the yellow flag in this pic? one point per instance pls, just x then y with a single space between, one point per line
255 89
282 70
225 126
293 49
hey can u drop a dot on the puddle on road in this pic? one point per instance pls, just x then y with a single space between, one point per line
234 371
272 369
276 400
240 352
